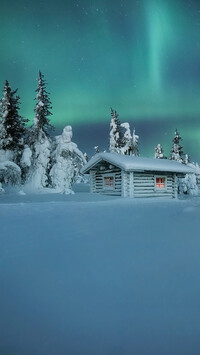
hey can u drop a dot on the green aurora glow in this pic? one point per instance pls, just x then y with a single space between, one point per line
140 57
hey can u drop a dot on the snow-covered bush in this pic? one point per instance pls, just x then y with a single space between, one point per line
10 173
197 173
189 184
67 162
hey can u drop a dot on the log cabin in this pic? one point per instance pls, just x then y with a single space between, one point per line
130 176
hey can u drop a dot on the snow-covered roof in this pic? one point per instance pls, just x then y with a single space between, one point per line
131 163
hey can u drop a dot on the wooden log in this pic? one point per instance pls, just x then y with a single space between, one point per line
153 195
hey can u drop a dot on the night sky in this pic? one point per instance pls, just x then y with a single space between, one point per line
140 57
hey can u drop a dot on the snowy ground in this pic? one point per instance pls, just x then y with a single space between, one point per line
87 274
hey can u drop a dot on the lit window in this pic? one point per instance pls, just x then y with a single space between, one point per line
109 182
160 182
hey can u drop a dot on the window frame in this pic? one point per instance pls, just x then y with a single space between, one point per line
109 188
159 188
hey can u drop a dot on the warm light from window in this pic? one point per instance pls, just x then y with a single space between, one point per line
160 182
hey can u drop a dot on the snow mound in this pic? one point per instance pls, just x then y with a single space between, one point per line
10 173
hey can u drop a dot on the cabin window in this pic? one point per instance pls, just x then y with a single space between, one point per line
109 182
160 182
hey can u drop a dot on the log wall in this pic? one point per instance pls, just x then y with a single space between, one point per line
97 182
133 184
142 184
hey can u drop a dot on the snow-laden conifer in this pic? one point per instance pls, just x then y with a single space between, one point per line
135 144
126 146
12 126
121 140
159 153
187 159
86 157
42 108
177 152
96 149
39 139
67 162
116 133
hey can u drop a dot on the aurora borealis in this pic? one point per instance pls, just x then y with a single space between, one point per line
140 57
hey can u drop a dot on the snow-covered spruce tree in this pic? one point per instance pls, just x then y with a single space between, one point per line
96 149
135 144
12 126
116 133
126 148
129 144
159 153
39 140
86 157
187 159
67 162
176 152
